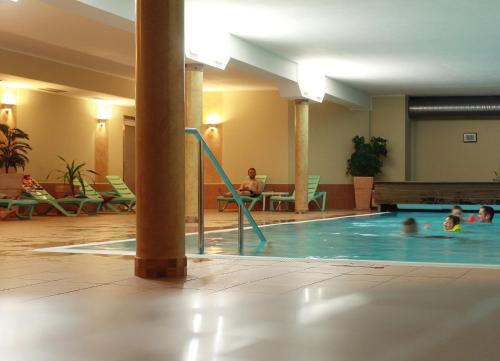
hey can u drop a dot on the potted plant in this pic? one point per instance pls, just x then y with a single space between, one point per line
13 154
365 163
71 174
13 148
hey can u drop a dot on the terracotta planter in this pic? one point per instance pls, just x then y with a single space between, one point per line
363 192
11 183
63 190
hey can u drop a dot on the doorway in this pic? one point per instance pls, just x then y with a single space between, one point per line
129 151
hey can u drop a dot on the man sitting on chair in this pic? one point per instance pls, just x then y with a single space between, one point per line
249 187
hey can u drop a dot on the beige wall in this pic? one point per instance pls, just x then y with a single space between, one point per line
389 121
331 129
258 131
441 155
255 134
62 125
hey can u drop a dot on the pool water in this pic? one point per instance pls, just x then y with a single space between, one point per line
372 237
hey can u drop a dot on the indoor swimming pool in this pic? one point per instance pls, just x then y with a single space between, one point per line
375 237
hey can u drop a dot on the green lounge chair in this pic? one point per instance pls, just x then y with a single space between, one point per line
123 196
29 204
313 195
90 192
245 199
43 197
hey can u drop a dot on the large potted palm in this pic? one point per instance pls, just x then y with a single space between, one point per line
14 150
364 164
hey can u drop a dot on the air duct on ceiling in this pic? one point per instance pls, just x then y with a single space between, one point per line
454 107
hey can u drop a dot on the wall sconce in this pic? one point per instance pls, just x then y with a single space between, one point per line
8 100
103 113
213 120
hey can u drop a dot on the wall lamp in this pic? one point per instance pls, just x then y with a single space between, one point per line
213 120
8 100
103 113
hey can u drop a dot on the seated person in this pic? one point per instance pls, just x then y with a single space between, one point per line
458 211
249 187
486 214
452 224
410 226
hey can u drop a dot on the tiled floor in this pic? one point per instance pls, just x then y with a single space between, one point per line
88 307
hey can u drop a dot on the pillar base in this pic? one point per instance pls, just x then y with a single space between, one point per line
301 211
161 268
191 219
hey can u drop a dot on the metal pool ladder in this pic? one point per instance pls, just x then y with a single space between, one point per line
242 210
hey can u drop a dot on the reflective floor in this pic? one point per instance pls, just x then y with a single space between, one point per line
88 307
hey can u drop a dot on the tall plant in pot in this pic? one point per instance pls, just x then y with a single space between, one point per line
365 163
13 148
71 173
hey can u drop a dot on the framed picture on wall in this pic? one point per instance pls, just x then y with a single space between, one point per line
470 137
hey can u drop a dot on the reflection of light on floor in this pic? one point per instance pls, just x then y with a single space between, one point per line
218 334
306 295
197 323
193 350
321 311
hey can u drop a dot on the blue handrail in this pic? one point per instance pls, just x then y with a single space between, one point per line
228 184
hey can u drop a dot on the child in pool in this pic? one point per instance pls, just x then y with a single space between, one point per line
452 224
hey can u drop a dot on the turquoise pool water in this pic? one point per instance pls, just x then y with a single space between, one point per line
375 237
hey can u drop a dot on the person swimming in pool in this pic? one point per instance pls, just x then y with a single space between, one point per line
459 212
409 226
452 224
486 214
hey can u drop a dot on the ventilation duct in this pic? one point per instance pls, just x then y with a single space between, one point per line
454 107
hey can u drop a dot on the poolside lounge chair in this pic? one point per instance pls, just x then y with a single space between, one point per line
33 190
313 195
15 205
245 199
10 204
122 195
111 204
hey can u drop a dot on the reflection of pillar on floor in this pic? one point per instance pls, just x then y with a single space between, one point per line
194 115
301 155
160 139
101 152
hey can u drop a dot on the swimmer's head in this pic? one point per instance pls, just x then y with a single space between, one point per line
409 226
486 214
450 222
457 211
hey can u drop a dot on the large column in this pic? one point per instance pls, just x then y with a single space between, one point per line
301 155
194 117
160 139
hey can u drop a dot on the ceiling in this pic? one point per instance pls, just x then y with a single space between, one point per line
426 47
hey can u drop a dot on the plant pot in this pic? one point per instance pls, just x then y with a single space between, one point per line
11 183
64 190
363 192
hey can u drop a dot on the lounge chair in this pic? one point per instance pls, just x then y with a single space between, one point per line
313 195
15 205
33 190
246 199
10 191
122 195
111 204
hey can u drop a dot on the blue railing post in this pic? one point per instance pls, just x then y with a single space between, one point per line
225 179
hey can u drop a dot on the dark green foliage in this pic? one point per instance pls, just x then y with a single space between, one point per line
366 160
13 148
